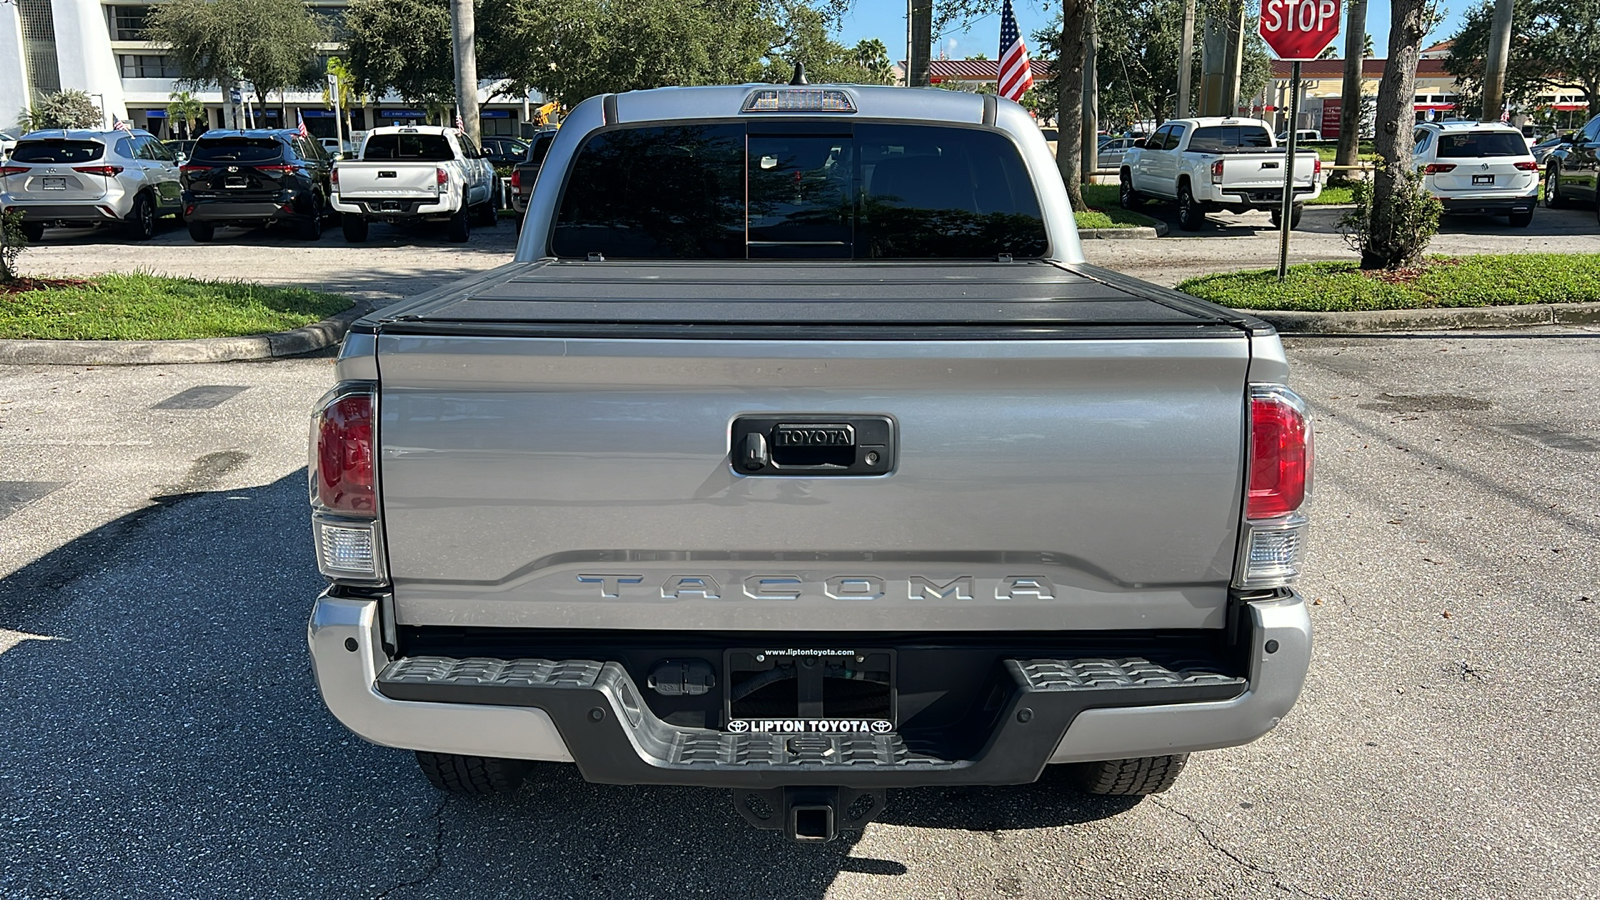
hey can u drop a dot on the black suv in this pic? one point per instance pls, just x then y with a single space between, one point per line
504 151
257 177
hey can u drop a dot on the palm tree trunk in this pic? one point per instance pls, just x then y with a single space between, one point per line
1069 84
1409 21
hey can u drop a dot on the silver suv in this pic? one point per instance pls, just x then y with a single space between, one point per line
76 178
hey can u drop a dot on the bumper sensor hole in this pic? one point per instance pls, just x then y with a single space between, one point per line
351 645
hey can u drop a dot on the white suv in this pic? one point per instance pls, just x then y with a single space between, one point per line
1478 167
78 178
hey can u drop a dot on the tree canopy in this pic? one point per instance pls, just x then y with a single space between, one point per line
1554 43
63 109
272 44
401 46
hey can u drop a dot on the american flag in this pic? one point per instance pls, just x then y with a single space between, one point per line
119 125
1016 73
461 127
300 125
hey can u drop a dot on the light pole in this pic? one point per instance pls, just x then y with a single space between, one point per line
103 122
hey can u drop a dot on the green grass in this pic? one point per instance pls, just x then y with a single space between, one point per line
1333 194
152 307
1328 150
1105 210
1508 280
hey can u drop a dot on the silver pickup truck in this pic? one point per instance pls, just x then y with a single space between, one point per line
799 453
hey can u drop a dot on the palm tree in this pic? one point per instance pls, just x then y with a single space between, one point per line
348 94
184 107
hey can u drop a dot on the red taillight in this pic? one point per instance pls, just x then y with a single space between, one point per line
1527 165
1316 168
1280 453
1438 168
441 176
516 179
107 171
344 479
1216 172
190 170
14 170
333 177
279 168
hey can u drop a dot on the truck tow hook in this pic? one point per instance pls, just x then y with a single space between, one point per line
809 815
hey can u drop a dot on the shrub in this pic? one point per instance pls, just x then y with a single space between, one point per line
12 243
63 109
1391 232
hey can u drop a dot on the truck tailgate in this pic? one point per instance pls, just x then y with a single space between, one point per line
1259 171
360 179
1065 447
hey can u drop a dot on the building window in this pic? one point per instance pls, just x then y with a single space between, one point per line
128 22
501 124
39 47
139 65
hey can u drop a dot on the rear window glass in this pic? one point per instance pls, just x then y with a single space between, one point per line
540 148
1222 138
1473 144
237 149
868 192
419 147
57 151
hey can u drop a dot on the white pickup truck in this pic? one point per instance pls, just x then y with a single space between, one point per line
1214 164
415 173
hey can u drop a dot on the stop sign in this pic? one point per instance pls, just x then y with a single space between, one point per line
1299 29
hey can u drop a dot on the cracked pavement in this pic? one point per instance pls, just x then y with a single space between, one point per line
160 735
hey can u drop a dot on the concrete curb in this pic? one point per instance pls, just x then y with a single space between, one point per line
1137 232
306 339
1368 321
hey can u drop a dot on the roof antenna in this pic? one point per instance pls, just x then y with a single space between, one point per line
799 73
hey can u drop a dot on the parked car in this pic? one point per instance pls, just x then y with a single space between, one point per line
1572 168
1478 168
687 492
7 141
336 148
1301 136
78 178
505 151
1213 164
181 149
415 173
1541 150
526 173
1112 151
253 178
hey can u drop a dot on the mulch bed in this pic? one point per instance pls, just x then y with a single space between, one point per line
23 285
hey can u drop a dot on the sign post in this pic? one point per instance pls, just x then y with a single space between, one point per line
338 113
1296 30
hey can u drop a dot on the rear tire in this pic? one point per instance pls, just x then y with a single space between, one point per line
1294 217
355 228
1130 777
311 229
1190 216
1553 197
33 231
473 775
202 232
1127 197
1521 219
460 226
141 223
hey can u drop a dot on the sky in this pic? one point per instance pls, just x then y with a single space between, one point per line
886 21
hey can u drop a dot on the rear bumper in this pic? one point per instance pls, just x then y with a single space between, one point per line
1489 205
92 212
1264 198
204 210
590 712
396 207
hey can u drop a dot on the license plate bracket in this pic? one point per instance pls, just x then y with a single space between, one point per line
809 690
1483 179
55 183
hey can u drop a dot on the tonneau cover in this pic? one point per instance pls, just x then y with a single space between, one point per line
809 293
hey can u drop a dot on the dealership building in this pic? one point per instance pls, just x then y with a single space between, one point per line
100 48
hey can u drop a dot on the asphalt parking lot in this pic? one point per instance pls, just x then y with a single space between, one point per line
160 734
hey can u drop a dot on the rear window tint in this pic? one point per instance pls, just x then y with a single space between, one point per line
869 192
57 151
1474 144
419 147
237 149
1222 138
540 148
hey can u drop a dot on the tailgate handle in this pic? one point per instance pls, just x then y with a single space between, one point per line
813 445
1269 165
388 174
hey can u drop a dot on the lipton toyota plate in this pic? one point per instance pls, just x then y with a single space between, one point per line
810 726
